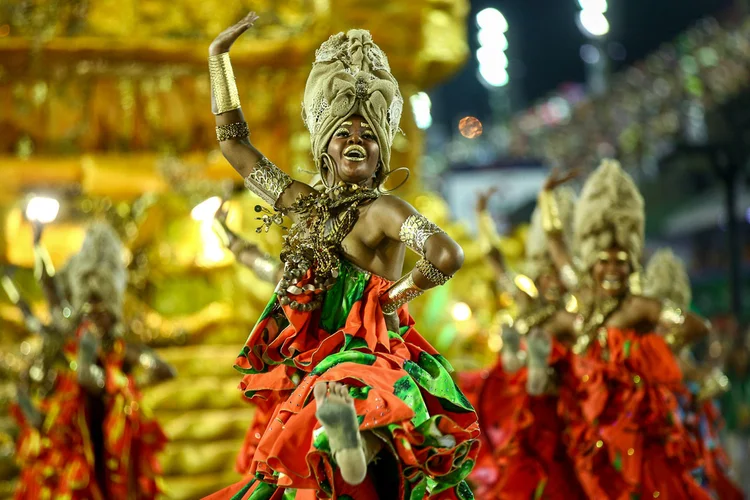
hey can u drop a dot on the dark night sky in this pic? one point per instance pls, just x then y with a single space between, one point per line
545 41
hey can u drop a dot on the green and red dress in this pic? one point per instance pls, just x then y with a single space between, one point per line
402 389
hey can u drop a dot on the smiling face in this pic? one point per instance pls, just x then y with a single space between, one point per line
355 151
611 272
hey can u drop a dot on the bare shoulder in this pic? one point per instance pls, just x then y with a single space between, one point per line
394 204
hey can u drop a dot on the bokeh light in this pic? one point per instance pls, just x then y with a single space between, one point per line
470 127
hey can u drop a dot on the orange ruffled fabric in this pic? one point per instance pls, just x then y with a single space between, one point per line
290 351
624 432
522 453
57 461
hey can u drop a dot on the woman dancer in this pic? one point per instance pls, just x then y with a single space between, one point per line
667 279
94 439
336 338
624 431
516 400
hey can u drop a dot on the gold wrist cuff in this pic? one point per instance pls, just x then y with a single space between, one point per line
671 314
432 273
399 294
416 230
569 277
223 84
265 268
267 181
551 221
236 130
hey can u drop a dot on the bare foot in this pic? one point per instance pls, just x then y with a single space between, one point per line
337 416
539 347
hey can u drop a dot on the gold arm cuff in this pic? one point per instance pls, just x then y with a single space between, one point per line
223 84
569 277
236 130
267 181
551 221
432 273
488 236
399 294
416 230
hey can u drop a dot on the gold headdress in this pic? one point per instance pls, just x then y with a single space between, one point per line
98 268
609 213
537 256
667 278
350 76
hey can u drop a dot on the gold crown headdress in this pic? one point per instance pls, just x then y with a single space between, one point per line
609 213
667 278
351 76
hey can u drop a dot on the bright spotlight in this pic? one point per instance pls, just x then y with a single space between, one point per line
599 6
42 209
492 40
461 311
206 210
492 19
490 58
421 106
495 75
594 23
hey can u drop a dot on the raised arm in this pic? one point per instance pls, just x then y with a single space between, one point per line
681 328
261 176
249 255
489 239
553 227
441 256
44 270
155 370
32 322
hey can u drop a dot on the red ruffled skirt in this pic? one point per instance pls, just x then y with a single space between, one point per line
624 434
402 390
522 454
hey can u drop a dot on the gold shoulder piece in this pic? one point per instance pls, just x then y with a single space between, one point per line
267 181
416 230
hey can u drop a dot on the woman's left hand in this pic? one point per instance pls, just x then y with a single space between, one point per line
392 322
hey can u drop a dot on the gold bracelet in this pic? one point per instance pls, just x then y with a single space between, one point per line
432 273
223 84
671 314
236 130
267 181
415 231
265 268
551 221
399 294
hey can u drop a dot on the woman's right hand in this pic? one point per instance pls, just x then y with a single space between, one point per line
224 40
484 197
557 178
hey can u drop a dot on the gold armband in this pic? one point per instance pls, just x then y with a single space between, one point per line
267 181
672 318
236 130
399 294
416 230
223 85
551 221
432 273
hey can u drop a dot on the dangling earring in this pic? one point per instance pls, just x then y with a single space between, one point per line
385 178
326 163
